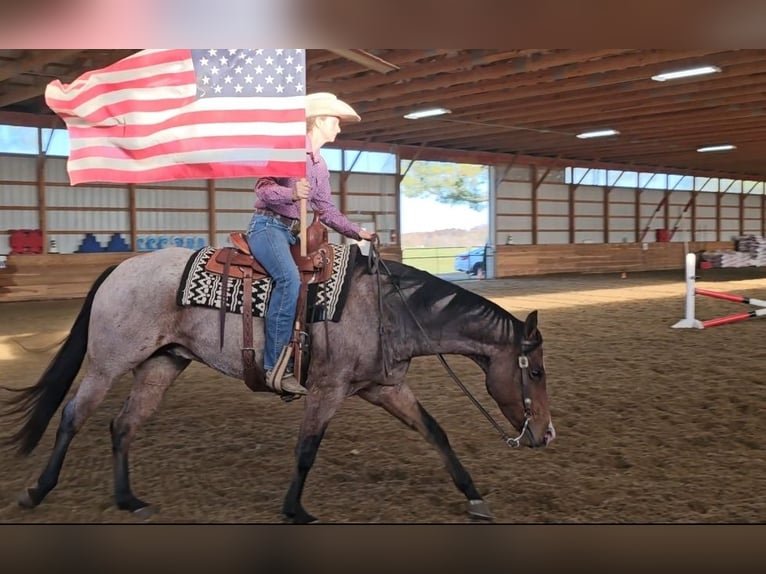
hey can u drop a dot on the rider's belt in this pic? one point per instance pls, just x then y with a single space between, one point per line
293 225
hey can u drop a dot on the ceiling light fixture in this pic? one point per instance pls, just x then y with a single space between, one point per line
722 147
598 134
430 112
687 73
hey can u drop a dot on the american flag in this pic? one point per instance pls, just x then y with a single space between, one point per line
162 115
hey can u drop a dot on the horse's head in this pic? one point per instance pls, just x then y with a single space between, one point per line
516 380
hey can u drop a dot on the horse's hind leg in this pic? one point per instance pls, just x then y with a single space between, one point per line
89 395
400 401
152 379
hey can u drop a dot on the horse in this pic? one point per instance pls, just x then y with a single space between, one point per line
393 313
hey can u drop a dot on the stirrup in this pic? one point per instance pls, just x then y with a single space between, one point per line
286 384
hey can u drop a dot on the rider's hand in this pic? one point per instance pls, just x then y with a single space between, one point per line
368 235
301 189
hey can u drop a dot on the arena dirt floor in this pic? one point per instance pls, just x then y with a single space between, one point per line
655 425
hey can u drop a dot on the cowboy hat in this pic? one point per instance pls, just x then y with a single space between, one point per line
327 104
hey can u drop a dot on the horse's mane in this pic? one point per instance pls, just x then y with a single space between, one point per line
425 292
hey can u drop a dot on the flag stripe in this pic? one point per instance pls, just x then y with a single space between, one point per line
172 88
189 171
232 109
276 133
108 152
143 60
224 155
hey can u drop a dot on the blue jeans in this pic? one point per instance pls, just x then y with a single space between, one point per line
270 242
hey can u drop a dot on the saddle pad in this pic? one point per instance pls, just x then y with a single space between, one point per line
201 288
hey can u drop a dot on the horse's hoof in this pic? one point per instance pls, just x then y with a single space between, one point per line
301 518
480 509
25 500
145 512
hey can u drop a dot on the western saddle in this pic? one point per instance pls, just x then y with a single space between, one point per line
237 262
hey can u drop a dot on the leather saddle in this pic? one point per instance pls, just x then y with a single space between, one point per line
237 262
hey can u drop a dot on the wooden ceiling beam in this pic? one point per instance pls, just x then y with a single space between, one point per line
339 70
487 100
510 88
34 60
413 69
582 106
448 128
37 87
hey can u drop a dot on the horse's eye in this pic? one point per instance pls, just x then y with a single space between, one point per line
536 373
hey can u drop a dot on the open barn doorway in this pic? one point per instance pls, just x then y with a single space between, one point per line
445 218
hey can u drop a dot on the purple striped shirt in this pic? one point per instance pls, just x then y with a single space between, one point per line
276 194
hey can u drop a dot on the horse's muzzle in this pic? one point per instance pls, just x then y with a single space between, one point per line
544 440
549 435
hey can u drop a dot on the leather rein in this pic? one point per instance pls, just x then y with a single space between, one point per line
374 262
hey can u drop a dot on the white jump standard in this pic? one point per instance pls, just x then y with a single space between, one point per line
690 322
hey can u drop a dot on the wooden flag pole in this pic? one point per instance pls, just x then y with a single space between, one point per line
303 228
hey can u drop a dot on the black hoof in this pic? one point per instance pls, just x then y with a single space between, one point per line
145 512
480 509
135 505
29 498
301 517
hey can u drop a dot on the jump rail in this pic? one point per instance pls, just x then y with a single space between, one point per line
690 322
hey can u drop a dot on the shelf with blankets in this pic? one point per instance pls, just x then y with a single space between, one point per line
748 251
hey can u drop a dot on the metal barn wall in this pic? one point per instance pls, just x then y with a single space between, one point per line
147 217
541 209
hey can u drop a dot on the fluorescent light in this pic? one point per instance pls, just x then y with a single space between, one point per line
723 147
597 134
687 73
430 112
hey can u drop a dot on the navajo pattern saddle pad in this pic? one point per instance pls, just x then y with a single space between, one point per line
325 300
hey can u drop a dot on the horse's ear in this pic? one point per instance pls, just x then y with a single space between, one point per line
530 324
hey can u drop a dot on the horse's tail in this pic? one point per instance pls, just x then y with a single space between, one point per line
37 404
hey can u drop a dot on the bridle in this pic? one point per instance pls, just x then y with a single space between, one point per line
374 262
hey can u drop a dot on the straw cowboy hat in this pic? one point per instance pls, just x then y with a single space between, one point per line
327 104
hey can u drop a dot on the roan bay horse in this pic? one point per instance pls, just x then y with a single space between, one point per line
130 321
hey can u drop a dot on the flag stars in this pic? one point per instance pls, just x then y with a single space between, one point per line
261 72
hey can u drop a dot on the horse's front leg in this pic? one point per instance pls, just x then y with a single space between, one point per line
400 401
321 405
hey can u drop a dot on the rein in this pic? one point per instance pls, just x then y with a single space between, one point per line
374 262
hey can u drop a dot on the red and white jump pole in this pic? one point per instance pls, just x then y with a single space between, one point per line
690 322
